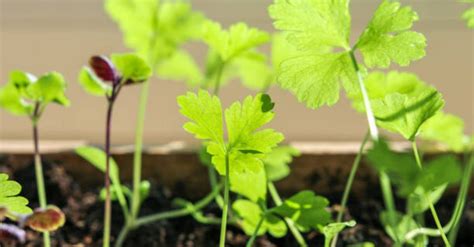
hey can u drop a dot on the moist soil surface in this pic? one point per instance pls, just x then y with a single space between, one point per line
84 212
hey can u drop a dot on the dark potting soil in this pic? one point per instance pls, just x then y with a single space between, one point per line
84 212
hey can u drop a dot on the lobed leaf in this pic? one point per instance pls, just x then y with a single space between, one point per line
12 101
251 214
48 88
388 37
277 162
9 196
155 29
233 42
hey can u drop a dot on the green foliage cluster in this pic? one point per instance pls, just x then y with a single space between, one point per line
313 58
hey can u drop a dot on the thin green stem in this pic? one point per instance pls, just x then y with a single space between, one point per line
458 208
350 180
255 232
213 181
374 133
218 78
291 225
226 203
427 198
137 157
40 178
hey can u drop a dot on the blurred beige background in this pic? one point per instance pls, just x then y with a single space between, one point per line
45 35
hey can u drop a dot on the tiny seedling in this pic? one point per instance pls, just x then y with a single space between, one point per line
27 95
106 78
15 208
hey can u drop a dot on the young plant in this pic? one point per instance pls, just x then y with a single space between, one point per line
320 31
27 95
14 207
237 159
155 30
106 78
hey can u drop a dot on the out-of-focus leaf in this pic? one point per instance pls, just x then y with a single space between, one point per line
277 162
46 220
131 67
92 84
49 88
181 66
445 128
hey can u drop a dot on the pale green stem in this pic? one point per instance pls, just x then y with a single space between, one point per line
40 178
291 225
458 208
226 203
432 209
350 180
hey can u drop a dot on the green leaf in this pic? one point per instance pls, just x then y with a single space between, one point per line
9 196
468 15
388 37
252 185
97 158
313 24
251 214
12 101
21 79
131 67
405 174
254 71
92 84
319 29
49 88
233 42
181 66
417 203
445 128
281 50
245 146
332 229
306 209
277 161
154 28
403 224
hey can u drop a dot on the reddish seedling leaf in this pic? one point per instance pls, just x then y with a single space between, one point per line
46 220
103 68
11 234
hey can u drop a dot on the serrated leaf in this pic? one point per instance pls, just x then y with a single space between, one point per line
251 214
445 128
245 146
233 42
404 114
46 220
306 209
318 29
313 24
388 37
277 162
9 196
181 66
154 28
131 67
49 88
92 84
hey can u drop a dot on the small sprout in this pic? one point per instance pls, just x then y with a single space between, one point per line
10 234
46 220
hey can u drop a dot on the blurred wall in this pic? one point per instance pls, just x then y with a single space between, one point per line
45 35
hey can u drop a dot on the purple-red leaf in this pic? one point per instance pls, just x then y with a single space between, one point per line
46 220
103 68
11 234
